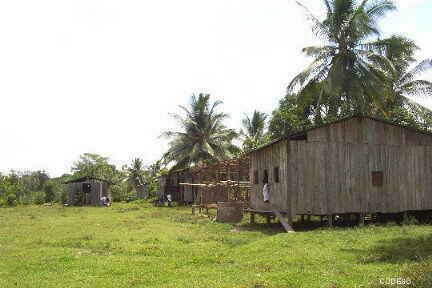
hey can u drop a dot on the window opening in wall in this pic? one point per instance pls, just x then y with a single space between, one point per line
276 174
377 178
86 187
256 179
265 178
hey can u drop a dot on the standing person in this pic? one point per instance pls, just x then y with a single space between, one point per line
266 190
103 200
266 193
107 201
169 198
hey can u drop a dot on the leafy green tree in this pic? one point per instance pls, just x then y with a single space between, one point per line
32 181
31 187
288 118
42 178
94 165
13 177
50 191
349 72
253 132
14 185
203 135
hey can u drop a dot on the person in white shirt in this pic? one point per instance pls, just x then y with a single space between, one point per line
266 193
169 199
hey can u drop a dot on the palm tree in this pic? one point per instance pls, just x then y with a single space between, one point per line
407 89
405 86
135 173
203 135
348 74
253 134
408 86
404 83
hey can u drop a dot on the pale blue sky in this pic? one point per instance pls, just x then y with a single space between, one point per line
102 75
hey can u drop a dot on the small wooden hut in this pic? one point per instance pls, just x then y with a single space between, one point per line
356 165
87 191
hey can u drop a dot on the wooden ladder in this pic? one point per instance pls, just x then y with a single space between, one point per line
288 228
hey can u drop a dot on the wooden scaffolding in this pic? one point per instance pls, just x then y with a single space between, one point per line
222 181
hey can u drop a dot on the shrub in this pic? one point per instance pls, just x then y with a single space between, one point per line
26 199
50 188
63 196
117 193
3 203
11 200
39 198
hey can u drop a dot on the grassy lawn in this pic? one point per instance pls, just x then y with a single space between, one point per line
136 245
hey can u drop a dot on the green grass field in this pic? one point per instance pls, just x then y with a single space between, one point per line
136 245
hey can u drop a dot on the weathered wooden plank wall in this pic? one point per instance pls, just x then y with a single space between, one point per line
71 192
337 178
272 157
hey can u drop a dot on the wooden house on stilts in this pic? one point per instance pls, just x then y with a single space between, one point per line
356 165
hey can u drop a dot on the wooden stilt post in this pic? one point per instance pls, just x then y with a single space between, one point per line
361 219
330 220
354 220
252 218
268 218
302 219
290 220
308 218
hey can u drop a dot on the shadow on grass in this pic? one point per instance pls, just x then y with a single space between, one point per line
276 227
264 228
397 250
310 226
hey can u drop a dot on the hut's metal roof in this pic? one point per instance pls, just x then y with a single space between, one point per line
302 133
85 179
